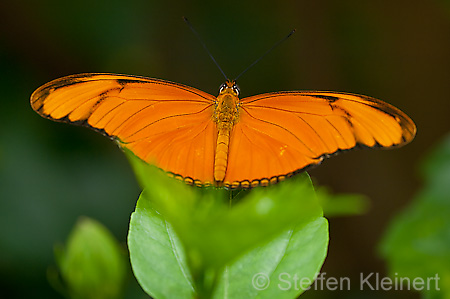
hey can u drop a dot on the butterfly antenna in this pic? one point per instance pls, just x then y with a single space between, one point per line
204 46
267 52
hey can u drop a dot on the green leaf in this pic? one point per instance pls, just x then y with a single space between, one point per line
215 232
157 256
283 268
92 265
162 269
417 243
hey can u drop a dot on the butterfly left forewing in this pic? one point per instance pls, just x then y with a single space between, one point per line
163 123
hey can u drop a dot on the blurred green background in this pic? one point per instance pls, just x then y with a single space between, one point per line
50 173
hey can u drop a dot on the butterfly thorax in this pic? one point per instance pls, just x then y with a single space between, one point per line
226 108
226 115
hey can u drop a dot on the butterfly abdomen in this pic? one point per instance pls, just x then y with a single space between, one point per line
225 116
221 157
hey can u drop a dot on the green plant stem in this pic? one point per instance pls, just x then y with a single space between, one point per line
206 284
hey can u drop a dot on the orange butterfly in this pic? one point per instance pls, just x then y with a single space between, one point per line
222 141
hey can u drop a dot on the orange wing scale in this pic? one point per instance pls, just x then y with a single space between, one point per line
172 126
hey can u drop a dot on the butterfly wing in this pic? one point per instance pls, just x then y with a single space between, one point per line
280 134
163 123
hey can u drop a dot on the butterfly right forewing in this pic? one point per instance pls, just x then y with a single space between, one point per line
279 134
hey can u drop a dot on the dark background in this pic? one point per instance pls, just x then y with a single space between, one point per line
51 173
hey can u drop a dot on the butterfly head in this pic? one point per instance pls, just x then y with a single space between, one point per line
229 87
